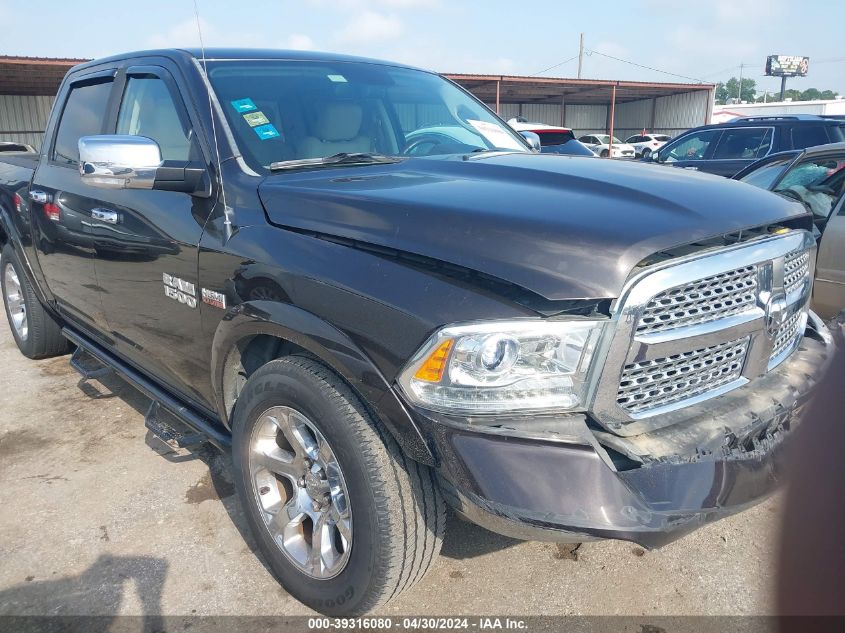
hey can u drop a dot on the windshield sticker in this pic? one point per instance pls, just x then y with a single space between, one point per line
256 118
495 135
337 78
243 105
265 132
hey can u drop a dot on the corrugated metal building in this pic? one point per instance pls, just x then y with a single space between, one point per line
820 107
596 106
29 84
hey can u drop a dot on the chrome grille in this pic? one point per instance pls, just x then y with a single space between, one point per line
788 334
796 268
699 326
663 381
703 300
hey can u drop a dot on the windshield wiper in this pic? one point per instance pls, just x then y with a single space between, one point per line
343 158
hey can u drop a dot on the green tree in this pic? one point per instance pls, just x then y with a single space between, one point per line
811 94
721 94
749 89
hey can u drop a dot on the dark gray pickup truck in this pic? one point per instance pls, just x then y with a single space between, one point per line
358 279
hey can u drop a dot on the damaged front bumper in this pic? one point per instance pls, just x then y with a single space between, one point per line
561 479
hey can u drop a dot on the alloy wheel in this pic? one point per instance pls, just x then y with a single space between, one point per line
15 302
301 493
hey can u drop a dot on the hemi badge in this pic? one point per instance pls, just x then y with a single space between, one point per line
213 298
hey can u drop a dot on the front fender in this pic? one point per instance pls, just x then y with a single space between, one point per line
330 345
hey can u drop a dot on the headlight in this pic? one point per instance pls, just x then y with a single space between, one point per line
499 367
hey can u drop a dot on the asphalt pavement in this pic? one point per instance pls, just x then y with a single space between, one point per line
97 517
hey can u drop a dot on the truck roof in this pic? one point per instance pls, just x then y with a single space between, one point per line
243 54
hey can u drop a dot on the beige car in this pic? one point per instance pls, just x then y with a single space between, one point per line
815 177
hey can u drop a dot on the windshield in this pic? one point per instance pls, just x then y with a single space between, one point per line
293 110
765 175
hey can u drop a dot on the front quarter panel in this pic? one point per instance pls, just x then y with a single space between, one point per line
361 314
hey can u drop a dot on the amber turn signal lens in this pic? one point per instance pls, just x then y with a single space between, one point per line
434 366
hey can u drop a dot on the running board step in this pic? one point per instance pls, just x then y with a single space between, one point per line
88 366
191 418
168 433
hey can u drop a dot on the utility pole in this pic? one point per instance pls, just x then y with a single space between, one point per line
739 90
580 56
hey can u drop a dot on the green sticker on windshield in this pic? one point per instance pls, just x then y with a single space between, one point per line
256 118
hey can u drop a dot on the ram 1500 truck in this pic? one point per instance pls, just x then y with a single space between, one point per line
362 282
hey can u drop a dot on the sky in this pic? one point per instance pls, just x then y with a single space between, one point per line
689 41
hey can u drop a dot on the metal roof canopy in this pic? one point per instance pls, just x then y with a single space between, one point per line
33 75
496 89
42 76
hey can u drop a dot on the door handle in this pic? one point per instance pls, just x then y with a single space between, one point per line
38 196
104 215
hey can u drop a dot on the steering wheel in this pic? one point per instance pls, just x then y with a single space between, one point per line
424 139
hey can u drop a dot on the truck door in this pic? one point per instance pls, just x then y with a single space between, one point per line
61 205
146 241
829 289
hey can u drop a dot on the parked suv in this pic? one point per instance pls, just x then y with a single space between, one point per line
380 316
645 144
726 148
553 139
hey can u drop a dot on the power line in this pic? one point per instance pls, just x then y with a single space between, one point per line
657 70
724 70
829 60
566 61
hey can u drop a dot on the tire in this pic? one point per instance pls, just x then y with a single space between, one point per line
396 511
646 153
36 332
604 153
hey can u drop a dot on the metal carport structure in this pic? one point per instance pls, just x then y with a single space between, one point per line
28 86
622 108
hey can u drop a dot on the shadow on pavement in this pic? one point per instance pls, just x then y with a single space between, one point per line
463 540
99 591
467 540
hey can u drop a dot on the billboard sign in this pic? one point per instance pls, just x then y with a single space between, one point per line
787 65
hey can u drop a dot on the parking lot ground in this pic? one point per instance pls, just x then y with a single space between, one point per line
97 518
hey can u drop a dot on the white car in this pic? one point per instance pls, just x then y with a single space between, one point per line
645 144
600 144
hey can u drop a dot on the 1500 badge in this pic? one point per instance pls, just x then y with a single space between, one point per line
179 289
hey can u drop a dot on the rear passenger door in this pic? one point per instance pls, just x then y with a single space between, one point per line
146 245
809 136
739 147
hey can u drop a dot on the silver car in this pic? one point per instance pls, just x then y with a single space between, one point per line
815 177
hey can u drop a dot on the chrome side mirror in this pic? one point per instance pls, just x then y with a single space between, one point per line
533 139
114 161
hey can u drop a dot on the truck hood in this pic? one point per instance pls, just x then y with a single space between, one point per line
562 227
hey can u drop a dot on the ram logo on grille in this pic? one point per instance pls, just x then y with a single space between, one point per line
699 326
